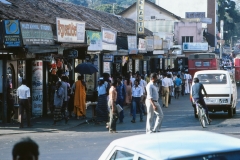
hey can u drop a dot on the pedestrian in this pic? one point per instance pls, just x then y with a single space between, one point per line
65 99
102 107
166 84
169 76
153 107
79 88
182 76
71 99
10 105
121 94
113 109
177 85
26 149
58 102
137 93
128 87
188 81
23 93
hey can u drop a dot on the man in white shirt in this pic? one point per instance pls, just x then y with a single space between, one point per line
153 106
23 93
137 93
165 90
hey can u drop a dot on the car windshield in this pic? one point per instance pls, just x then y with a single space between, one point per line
216 78
215 156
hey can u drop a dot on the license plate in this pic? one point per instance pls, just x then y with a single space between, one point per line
223 100
210 101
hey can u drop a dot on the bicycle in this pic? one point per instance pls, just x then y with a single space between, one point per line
201 114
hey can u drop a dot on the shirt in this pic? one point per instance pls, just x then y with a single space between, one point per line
23 92
58 97
101 89
152 91
137 91
197 90
166 82
178 82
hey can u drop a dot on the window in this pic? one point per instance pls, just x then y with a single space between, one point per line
187 39
118 155
198 64
152 17
212 78
141 158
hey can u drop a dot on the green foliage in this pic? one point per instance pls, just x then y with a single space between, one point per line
109 8
231 16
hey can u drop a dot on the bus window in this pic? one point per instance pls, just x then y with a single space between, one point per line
206 63
198 64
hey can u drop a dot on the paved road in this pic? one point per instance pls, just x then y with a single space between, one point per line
88 141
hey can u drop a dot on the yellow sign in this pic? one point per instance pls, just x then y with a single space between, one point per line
138 56
140 16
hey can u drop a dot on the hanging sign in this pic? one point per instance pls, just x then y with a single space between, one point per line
140 16
94 41
107 58
36 33
11 34
70 30
109 36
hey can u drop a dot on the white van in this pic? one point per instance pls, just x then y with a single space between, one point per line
221 90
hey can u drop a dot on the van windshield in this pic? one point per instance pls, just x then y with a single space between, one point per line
215 78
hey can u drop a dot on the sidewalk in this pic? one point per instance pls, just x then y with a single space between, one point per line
44 124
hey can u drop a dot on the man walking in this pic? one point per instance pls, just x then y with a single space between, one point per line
23 93
153 107
166 84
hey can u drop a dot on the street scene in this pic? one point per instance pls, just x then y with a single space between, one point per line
80 140
119 79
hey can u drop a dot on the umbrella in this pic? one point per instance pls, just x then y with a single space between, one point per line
86 68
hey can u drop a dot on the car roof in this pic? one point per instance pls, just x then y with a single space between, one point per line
176 144
211 71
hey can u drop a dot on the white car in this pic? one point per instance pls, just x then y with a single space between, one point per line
187 145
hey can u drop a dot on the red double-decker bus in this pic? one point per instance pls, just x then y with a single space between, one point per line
203 61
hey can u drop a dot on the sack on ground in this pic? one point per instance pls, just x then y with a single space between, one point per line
119 108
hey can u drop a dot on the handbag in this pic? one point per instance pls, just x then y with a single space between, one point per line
119 108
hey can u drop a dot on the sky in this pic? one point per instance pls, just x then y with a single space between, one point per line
179 7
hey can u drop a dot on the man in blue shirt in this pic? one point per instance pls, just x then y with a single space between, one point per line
121 92
197 95
178 83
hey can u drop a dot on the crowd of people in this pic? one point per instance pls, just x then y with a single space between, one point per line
132 90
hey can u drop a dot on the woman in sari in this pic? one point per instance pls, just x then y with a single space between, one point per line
79 89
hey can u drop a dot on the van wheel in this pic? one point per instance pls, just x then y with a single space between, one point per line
234 110
230 112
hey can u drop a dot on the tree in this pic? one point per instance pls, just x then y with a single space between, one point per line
228 13
109 8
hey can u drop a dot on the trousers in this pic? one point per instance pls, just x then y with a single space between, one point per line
152 126
23 104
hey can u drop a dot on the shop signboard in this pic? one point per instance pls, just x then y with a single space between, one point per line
36 33
109 36
11 35
107 58
195 14
149 42
106 67
37 88
72 53
158 43
140 16
136 65
94 40
142 46
70 30
195 46
132 44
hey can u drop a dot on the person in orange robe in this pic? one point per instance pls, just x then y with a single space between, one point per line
79 88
